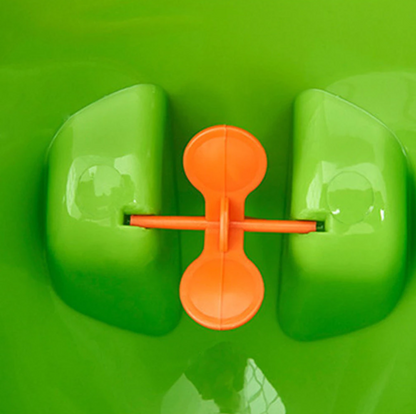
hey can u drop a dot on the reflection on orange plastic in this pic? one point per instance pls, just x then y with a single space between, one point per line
222 289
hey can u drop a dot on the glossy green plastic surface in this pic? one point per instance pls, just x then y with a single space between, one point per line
241 63
109 160
350 172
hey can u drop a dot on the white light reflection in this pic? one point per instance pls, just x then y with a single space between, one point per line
257 396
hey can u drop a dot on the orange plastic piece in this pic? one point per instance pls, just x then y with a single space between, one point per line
222 289
200 223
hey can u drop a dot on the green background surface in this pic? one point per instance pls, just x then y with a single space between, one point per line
235 62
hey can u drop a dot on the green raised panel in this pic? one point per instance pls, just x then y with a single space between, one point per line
350 172
108 160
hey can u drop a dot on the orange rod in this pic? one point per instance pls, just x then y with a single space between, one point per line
200 223
275 226
169 222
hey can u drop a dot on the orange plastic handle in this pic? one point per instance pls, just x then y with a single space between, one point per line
222 289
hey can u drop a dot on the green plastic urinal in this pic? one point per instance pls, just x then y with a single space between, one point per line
102 219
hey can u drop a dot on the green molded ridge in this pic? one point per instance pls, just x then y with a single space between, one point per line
349 171
108 161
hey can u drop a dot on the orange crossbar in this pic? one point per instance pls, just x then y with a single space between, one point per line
200 223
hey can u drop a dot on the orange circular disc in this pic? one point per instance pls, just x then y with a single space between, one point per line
220 294
225 159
